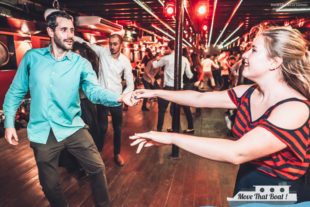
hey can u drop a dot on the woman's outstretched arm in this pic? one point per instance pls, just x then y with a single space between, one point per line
216 99
255 144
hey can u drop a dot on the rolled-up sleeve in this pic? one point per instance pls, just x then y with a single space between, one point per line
188 71
94 92
130 86
16 92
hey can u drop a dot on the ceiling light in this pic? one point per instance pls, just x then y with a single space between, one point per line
202 9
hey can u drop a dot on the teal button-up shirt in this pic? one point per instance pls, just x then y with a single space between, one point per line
54 88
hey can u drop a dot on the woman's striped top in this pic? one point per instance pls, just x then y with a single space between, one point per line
290 163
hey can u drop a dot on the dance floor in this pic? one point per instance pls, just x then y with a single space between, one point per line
151 178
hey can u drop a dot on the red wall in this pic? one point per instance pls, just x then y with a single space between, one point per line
21 44
6 77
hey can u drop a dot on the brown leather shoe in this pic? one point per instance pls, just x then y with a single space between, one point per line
119 160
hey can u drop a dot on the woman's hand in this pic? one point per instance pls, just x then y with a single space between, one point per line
151 138
144 93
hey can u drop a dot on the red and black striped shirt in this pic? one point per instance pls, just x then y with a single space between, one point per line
290 163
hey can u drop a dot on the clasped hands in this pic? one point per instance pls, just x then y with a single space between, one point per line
129 98
134 97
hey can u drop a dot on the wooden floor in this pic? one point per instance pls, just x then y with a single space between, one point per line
148 179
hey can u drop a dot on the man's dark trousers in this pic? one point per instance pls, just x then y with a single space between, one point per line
117 120
80 145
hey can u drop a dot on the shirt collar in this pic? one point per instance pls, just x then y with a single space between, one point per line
48 51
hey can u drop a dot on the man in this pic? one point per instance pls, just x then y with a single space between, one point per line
207 63
168 63
113 65
54 75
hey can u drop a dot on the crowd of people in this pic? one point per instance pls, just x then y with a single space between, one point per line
269 79
200 72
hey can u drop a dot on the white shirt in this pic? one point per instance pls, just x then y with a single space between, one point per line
168 62
111 70
150 72
207 64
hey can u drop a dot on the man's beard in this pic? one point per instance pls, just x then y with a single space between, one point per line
61 45
114 52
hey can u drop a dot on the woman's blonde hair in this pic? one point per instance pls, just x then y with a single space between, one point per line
289 44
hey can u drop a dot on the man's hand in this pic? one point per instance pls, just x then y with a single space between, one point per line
129 99
11 136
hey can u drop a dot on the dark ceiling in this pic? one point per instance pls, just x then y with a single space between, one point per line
250 12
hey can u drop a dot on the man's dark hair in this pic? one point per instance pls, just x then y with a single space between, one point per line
171 44
118 36
51 19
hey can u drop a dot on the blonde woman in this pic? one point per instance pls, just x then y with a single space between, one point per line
272 123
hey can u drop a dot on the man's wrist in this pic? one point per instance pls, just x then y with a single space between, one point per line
9 122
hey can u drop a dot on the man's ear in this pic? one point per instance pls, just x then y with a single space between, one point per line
50 32
275 63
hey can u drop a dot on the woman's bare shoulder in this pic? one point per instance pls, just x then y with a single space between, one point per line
290 115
